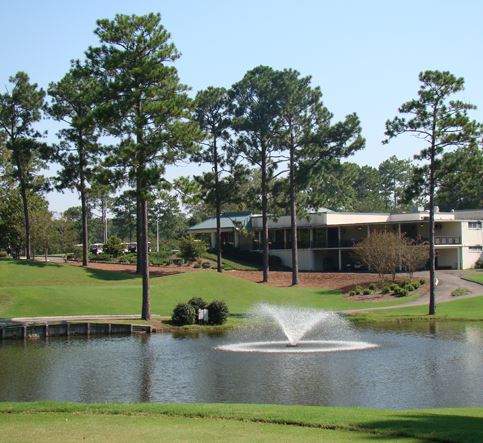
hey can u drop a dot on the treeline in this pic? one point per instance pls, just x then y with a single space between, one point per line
269 140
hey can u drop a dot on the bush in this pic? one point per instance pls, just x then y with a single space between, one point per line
183 314
416 284
3 254
386 290
352 293
190 248
197 303
367 291
409 287
113 246
197 265
372 286
358 290
401 292
217 312
206 265
422 281
460 291
394 287
102 257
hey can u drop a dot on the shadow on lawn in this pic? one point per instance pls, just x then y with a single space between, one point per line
428 427
32 263
101 274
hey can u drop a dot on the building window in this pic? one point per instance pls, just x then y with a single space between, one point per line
474 225
475 249
304 238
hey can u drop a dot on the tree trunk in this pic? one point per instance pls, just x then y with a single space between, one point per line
146 308
85 235
139 265
432 255
218 210
46 254
266 270
293 218
26 215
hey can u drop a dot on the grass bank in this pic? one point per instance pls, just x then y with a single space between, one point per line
43 289
466 309
477 277
64 422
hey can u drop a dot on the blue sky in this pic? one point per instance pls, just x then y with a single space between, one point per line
365 55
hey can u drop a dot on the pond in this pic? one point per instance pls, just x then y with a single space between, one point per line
414 366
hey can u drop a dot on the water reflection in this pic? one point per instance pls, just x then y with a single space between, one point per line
419 365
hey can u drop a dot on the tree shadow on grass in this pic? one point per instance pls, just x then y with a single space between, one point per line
101 274
427 427
33 263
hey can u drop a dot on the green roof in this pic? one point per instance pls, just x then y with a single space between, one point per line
228 220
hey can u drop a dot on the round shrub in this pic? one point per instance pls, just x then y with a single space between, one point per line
206 265
394 287
352 293
197 265
366 291
409 288
401 292
113 246
415 284
386 290
422 281
372 286
359 290
183 314
191 248
217 312
197 303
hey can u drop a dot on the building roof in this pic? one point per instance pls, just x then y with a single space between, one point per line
228 220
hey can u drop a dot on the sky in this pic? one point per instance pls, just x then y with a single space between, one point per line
365 55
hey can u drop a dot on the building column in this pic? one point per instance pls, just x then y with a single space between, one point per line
213 239
399 230
311 237
340 260
459 251
236 238
338 236
368 231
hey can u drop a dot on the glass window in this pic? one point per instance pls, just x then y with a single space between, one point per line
474 225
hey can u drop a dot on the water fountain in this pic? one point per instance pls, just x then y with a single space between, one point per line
296 323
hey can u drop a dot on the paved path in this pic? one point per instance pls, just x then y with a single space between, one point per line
448 281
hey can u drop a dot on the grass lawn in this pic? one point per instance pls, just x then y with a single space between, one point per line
65 422
468 309
239 265
39 289
478 277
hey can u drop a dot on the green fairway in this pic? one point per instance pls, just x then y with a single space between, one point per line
468 309
61 422
37 289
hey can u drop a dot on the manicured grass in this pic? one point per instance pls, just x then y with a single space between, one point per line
478 277
49 289
467 309
61 422
238 265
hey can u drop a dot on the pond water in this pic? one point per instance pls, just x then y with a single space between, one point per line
415 366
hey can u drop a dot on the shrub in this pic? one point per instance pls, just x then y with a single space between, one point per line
206 265
157 258
197 303
352 293
422 281
416 284
358 290
197 265
113 246
183 314
217 312
372 286
190 248
3 254
386 290
103 257
394 287
409 287
366 291
401 292
460 291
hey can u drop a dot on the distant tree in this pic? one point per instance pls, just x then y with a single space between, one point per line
43 234
310 139
211 112
65 234
145 105
20 109
461 179
395 179
381 252
113 246
255 108
73 101
439 122
124 212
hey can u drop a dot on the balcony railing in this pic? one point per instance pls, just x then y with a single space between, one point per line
447 240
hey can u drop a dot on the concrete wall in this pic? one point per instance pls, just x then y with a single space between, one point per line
471 237
469 258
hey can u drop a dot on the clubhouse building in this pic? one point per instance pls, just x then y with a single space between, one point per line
327 239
